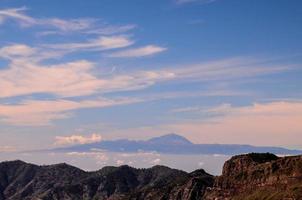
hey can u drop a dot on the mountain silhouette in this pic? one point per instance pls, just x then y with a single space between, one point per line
174 144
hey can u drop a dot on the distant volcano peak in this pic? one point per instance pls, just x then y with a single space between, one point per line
171 138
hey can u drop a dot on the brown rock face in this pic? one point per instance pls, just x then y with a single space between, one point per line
259 176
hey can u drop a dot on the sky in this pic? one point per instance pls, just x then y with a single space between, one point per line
214 71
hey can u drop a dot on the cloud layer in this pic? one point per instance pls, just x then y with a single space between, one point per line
275 123
27 74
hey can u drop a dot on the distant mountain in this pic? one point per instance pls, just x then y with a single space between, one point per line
246 177
170 139
175 144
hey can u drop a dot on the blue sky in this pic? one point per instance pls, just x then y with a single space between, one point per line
214 71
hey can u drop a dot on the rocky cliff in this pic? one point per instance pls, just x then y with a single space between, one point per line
251 177
259 176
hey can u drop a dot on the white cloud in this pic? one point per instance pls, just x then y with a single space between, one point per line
138 52
77 139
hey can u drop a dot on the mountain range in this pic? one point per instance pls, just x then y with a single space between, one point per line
174 144
251 176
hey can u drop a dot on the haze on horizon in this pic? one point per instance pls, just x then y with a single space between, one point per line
219 71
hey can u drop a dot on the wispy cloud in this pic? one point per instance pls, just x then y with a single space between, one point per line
101 43
42 113
77 139
17 50
76 78
18 14
107 29
65 79
66 26
138 52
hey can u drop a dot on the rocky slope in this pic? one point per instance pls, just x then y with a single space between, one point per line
251 177
19 180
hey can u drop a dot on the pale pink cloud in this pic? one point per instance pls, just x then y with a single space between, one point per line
26 75
65 79
41 113
19 50
76 78
275 123
5 149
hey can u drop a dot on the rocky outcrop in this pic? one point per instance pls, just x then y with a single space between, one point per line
259 176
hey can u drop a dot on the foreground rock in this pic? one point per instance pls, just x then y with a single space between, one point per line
251 177
259 176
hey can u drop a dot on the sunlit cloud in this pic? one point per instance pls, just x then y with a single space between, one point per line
77 139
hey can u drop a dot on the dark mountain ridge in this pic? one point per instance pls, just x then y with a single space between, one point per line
174 144
251 176
20 180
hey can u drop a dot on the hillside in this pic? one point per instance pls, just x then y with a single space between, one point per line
20 180
251 176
